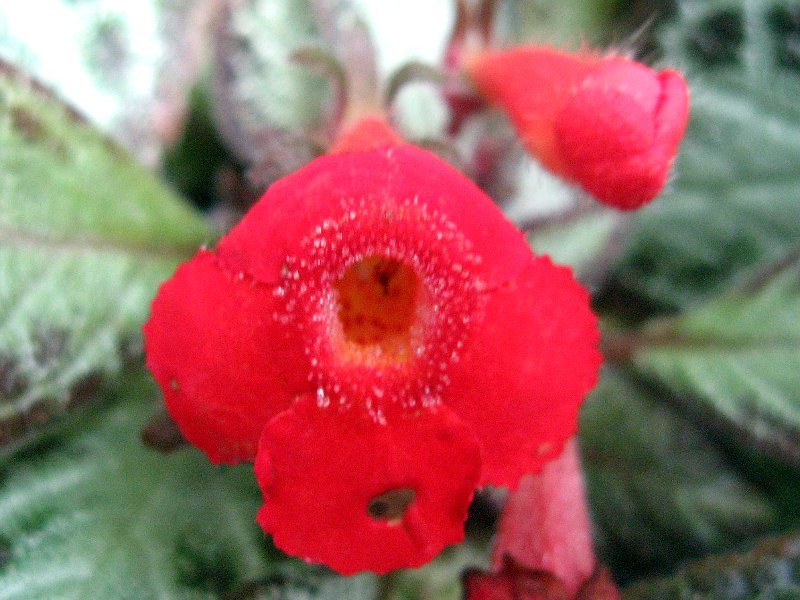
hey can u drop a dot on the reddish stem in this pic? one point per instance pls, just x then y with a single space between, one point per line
545 524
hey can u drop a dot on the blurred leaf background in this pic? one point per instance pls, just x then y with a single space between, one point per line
184 110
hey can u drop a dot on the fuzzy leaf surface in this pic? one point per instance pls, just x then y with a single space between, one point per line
770 570
86 236
95 514
660 488
737 360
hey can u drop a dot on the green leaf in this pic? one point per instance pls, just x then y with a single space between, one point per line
660 488
118 63
95 514
440 579
86 236
737 360
770 570
566 23
735 199
259 87
294 582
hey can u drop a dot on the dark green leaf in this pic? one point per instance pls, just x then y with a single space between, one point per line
737 359
95 514
771 570
660 488
86 236
735 199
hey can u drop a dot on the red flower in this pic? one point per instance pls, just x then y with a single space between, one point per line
608 123
381 341
517 582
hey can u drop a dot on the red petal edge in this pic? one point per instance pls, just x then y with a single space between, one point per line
224 366
329 187
320 468
525 372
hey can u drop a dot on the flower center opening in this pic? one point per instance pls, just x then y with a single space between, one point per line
377 309
391 506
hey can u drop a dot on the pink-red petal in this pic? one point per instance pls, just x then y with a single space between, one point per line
222 361
531 84
607 123
620 130
526 370
332 480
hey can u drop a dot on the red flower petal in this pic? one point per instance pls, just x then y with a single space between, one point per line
399 205
513 582
358 494
608 123
525 371
619 132
331 187
223 363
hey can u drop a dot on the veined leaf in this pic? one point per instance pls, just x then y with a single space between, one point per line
95 514
86 236
737 359
770 570
660 489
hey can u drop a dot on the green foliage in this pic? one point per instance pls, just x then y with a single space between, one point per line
441 578
696 447
737 358
95 514
292 581
770 570
660 488
193 163
86 236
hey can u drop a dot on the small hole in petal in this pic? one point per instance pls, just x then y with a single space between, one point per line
391 506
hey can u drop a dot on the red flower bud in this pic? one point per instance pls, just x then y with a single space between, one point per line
380 339
607 123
